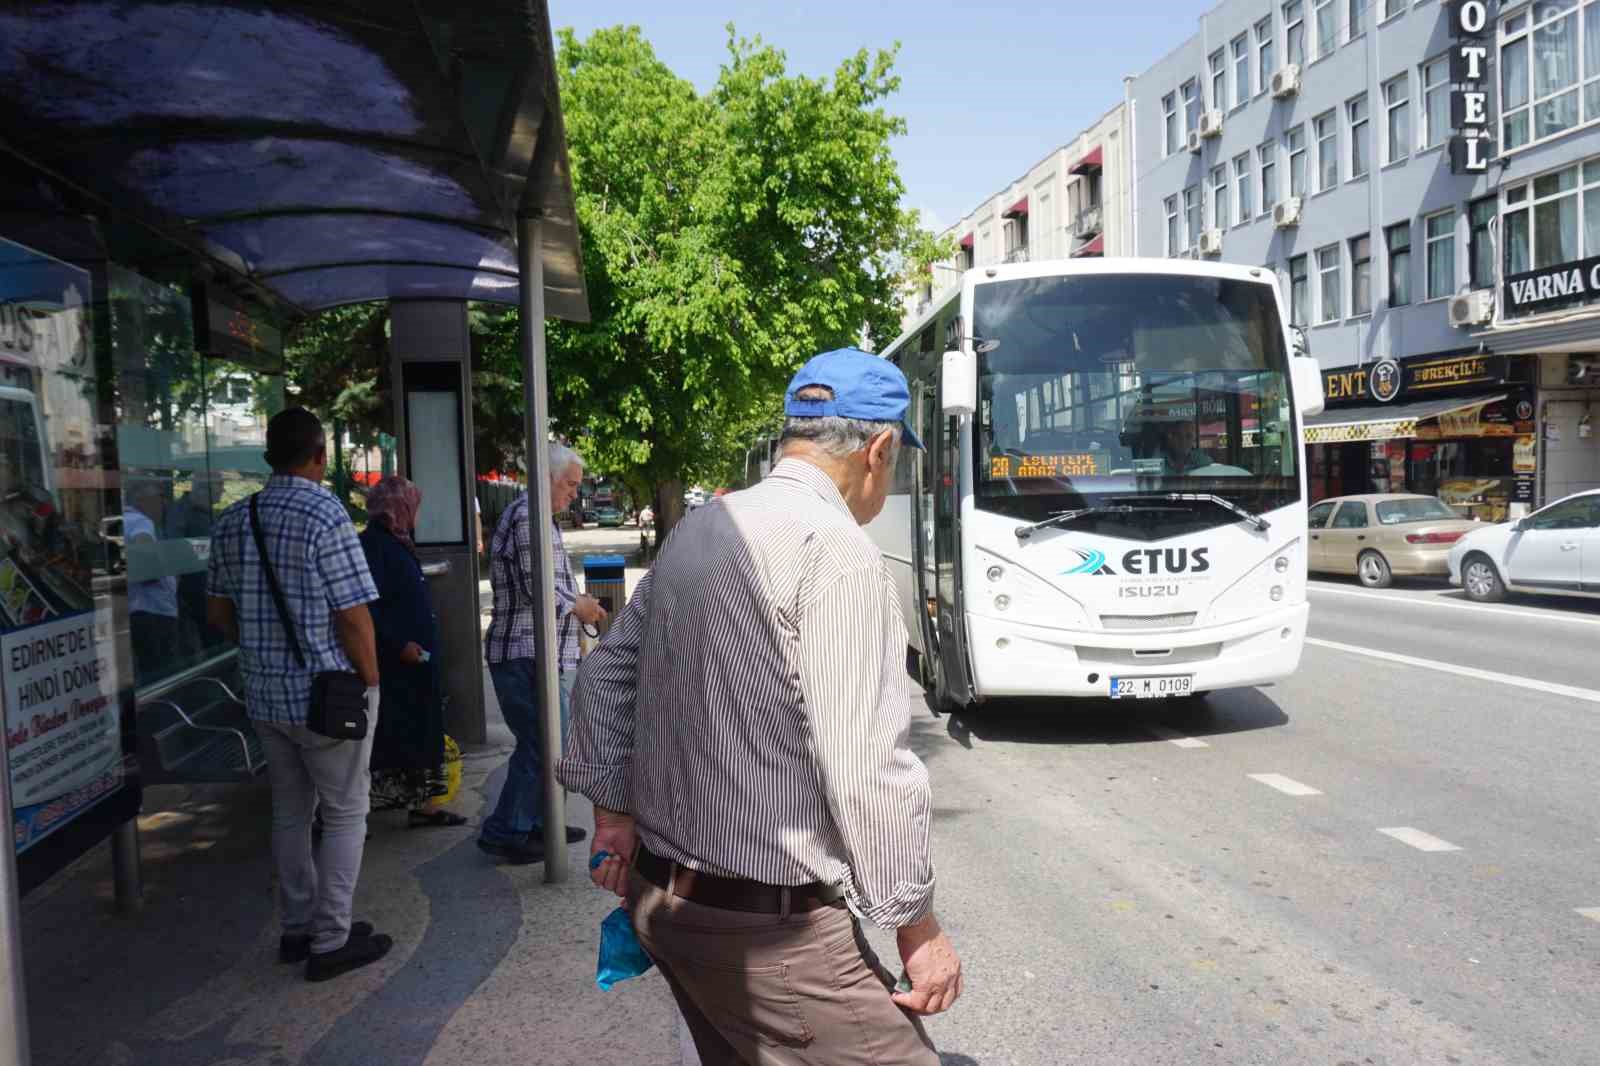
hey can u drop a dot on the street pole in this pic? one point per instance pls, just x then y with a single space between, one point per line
13 992
535 394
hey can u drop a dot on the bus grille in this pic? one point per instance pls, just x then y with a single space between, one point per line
1146 621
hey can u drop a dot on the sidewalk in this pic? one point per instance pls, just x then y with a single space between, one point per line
490 966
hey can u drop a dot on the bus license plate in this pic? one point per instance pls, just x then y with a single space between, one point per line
1151 688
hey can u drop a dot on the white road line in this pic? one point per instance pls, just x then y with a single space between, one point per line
1287 785
1571 691
1592 913
1182 740
1418 839
1543 615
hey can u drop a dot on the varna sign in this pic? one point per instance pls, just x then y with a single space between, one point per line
1564 283
1472 145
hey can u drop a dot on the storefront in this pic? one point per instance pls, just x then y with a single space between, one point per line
1460 427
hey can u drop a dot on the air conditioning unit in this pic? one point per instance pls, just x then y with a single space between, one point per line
1211 123
1286 213
1194 141
1211 242
1582 371
1286 81
1472 308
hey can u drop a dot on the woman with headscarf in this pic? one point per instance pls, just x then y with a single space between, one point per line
408 750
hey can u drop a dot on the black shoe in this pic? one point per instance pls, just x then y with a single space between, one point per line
357 952
525 854
574 834
298 948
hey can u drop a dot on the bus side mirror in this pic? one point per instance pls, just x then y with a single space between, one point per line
958 382
1306 376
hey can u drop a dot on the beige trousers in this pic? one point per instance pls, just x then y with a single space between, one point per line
765 990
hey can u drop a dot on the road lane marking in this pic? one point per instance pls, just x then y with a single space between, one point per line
1287 785
1546 614
1571 691
1592 913
1418 839
1182 740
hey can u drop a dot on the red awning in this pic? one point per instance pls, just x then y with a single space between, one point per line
1094 247
966 242
1018 208
1093 161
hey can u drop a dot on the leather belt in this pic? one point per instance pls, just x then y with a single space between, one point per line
733 893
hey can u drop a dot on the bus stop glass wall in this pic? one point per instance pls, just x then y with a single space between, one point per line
191 433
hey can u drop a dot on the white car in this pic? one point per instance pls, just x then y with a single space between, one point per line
1555 550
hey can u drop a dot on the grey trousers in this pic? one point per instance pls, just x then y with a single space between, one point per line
316 892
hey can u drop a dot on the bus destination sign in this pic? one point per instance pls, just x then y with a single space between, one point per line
1082 464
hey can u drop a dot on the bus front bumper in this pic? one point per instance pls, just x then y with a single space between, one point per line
1016 659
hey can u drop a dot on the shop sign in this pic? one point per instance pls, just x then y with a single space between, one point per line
1388 380
1458 370
1472 145
1564 283
1385 380
1525 455
43 318
1522 489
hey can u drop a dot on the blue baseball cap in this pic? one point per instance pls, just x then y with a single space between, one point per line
865 386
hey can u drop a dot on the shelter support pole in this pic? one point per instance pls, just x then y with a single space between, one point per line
13 992
536 398
127 874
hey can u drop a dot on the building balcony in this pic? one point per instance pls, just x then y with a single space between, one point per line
1088 223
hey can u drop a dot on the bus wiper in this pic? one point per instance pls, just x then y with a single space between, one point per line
1061 518
1222 502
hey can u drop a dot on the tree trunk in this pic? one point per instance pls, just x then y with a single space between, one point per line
669 507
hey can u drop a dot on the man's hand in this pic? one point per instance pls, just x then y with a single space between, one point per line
589 611
931 965
411 654
613 833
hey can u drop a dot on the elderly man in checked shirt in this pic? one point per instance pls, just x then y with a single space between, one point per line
742 732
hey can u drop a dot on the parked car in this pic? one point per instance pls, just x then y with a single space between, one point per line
1555 550
1381 536
609 518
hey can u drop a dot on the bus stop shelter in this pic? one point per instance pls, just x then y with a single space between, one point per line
254 162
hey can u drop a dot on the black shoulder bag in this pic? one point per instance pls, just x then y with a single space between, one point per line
338 697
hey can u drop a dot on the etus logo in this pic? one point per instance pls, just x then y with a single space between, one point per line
1090 561
1143 562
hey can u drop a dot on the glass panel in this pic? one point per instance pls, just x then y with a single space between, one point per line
1514 75
1555 56
1327 28
1559 182
1519 256
1554 116
1591 222
1555 232
1591 169
1516 130
1591 93
1441 267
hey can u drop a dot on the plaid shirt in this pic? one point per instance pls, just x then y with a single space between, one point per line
321 568
513 577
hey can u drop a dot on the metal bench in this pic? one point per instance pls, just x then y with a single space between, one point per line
193 729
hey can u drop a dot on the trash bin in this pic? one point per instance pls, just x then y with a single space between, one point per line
605 578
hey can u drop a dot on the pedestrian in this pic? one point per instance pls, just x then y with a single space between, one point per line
514 832
319 566
152 588
408 749
742 732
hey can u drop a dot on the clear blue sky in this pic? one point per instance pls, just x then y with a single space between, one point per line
987 88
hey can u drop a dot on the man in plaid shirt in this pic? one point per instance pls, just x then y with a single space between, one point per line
514 832
323 572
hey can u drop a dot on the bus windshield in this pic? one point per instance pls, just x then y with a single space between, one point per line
1122 385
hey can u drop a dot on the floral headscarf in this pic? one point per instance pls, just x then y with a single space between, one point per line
393 504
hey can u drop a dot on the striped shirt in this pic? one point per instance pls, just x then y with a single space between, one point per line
321 568
750 707
513 578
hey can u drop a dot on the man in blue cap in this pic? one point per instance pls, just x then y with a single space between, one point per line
742 731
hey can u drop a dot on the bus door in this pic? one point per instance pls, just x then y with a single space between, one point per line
954 686
925 415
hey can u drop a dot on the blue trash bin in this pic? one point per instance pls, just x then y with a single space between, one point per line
605 578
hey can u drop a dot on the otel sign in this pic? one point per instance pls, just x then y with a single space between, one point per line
1472 145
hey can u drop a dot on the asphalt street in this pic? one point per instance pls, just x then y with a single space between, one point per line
1392 857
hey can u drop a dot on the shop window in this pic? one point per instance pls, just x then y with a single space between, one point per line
1475 476
1549 70
1552 219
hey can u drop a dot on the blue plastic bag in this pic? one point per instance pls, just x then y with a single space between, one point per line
621 954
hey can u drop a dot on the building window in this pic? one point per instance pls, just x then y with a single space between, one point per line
1191 106
1328 279
1397 242
1191 216
1553 219
1393 9
1361 275
1360 137
1397 119
1480 248
1326 17
1299 292
1358 18
1294 32
1169 124
1266 55
1241 185
1267 157
1174 238
1219 80
1435 101
1439 241
1241 69
1326 127
1548 54
1219 197
1294 143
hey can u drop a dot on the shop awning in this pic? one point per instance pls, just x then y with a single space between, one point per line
1018 208
1094 247
1389 421
314 154
1094 160
966 242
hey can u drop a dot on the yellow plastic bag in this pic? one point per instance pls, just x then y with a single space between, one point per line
452 774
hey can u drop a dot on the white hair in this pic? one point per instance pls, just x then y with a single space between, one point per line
832 435
562 457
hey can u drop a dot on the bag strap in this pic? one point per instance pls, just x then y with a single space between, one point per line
272 583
